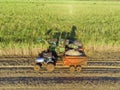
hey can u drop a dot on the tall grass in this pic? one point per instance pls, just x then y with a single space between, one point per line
23 22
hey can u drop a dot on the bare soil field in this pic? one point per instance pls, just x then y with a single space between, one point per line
100 74
56 81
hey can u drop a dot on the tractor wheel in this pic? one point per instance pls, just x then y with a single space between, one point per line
78 68
72 69
36 67
50 67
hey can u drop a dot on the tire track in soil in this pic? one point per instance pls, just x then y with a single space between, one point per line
86 70
57 80
16 62
31 62
103 63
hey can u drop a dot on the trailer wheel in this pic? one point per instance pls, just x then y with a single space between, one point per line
72 69
36 67
78 68
50 67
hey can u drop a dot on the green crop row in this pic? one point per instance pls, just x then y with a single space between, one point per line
22 23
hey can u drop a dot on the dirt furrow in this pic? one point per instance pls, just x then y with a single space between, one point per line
31 62
57 80
30 70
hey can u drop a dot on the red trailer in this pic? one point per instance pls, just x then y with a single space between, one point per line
73 62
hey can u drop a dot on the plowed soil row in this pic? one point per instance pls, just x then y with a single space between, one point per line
35 81
28 71
30 61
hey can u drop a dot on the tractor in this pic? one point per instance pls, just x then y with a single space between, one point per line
63 50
